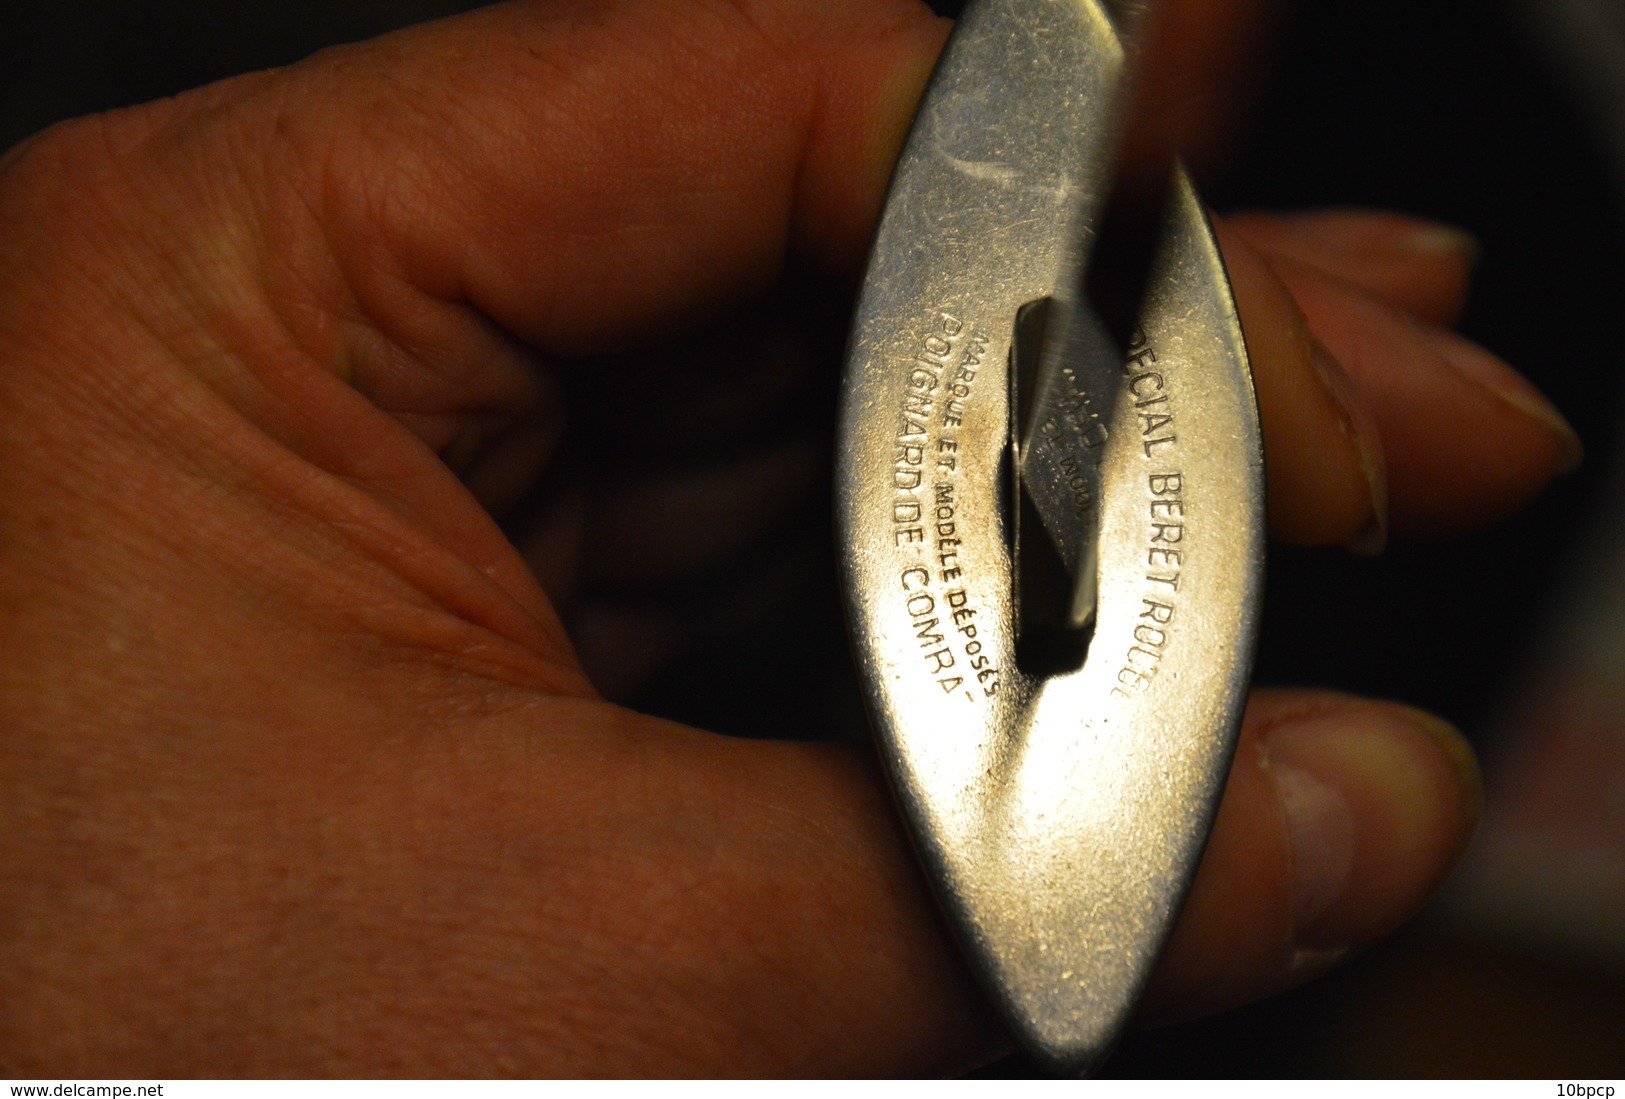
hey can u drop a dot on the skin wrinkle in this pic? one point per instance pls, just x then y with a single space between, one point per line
380 536
306 292
255 356
222 305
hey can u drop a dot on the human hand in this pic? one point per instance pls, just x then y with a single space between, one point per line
300 772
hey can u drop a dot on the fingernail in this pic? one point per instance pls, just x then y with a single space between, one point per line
1371 538
1489 374
1433 238
1321 826
1377 800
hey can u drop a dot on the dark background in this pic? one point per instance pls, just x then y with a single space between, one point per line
1412 106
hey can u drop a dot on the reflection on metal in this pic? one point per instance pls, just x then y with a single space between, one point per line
1057 747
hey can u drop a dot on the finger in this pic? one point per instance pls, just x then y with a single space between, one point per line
1419 267
1467 440
1340 818
1371 418
594 178
1324 455
736 859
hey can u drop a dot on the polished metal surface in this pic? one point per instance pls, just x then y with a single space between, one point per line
1059 808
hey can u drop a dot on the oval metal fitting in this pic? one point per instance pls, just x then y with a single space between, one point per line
1059 794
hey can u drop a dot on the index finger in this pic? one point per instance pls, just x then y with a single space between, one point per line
591 176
